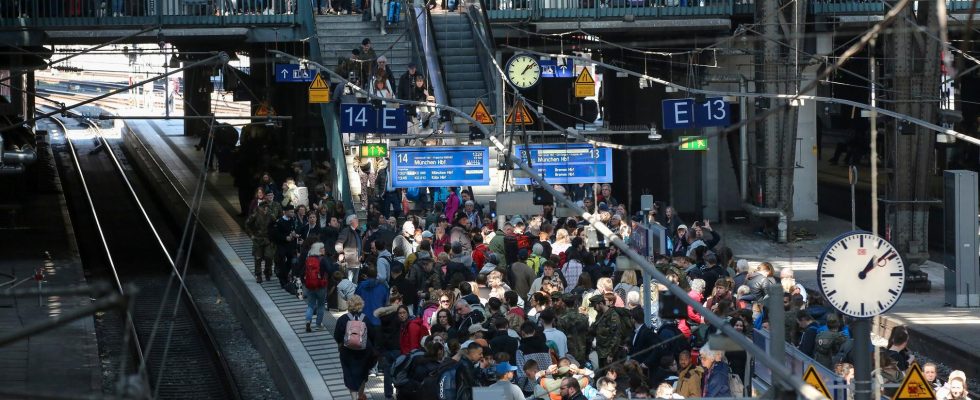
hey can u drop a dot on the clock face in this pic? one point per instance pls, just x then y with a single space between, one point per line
861 274
523 71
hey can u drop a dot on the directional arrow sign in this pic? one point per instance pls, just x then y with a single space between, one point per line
293 73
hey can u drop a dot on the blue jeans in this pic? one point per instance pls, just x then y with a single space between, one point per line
314 302
387 359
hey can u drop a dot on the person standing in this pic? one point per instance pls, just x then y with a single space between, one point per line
606 329
349 241
315 282
505 373
283 234
257 227
354 362
716 373
570 389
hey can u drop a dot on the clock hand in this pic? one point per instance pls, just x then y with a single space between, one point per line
864 273
527 68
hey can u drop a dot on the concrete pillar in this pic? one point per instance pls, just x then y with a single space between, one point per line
805 174
197 100
709 182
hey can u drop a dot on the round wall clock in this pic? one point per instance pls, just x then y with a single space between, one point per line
861 274
523 71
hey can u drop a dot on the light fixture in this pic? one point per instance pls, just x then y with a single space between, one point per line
654 134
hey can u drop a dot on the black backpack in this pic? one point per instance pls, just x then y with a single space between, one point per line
400 370
441 384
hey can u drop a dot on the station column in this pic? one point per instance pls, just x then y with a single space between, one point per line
197 99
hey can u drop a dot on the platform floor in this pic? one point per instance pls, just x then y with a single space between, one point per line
219 213
67 356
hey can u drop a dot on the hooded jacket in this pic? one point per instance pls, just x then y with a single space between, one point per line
375 295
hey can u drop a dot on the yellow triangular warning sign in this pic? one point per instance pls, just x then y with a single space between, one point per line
585 77
914 386
318 83
481 113
813 378
519 115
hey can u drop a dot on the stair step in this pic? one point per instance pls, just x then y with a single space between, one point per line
455 84
464 93
457 51
471 75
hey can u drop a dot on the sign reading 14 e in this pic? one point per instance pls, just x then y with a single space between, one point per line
685 114
365 118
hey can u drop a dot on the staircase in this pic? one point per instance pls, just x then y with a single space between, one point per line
460 61
339 34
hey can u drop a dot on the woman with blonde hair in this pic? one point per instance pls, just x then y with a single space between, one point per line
355 363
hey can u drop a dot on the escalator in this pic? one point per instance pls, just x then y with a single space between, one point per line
456 60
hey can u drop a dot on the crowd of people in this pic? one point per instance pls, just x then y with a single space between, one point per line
441 296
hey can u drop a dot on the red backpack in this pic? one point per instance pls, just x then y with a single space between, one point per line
312 278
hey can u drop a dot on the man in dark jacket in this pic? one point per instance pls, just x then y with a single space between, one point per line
809 327
501 342
642 340
283 234
712 271
466 317
406 83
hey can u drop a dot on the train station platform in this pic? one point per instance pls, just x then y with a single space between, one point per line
304 365
942 334
34 220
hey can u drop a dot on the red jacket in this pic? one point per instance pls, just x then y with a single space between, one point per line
411 335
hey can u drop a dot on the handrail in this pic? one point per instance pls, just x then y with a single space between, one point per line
416 37
482 32
331 128
437 81
797 362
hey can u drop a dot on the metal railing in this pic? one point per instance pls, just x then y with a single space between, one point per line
600 9
797 363
212 13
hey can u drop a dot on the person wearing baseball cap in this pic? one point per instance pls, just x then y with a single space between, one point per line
505 372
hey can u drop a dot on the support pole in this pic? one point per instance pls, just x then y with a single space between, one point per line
861 332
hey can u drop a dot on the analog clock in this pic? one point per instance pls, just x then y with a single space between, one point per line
861 274
523 71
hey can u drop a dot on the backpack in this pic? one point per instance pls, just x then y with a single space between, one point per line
735 386
355 335
394 265
844 354
441 383
626 323
511 246
312 278
825 343
400 373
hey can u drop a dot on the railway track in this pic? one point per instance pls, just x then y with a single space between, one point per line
174 354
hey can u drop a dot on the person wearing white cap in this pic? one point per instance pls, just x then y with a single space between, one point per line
405 241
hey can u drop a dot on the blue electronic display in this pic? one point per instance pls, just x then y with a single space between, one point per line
568 163
439 166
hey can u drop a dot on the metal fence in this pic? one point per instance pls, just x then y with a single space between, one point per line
797 362
142 12
599 9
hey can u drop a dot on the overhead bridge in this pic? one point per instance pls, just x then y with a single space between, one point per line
37 23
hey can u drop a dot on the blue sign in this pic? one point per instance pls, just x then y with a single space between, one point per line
291 73
685 114
365 118
568 163
551 69
439 166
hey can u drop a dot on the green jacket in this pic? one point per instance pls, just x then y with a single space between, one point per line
257 227
497 246
607 333
572 322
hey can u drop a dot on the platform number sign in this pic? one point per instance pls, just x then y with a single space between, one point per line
687 114
365 118
714 112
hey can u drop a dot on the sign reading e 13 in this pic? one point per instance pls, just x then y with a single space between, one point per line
686 114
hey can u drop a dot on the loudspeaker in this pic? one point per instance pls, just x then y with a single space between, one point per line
671 307
542 197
